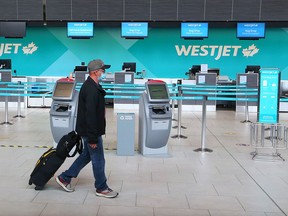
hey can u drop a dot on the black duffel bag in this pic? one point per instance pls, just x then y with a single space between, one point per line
67 143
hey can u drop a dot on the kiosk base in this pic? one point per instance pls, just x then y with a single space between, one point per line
158 152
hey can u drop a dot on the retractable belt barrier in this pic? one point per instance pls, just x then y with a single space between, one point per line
122 91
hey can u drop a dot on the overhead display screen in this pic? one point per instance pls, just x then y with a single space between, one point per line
194 30
134 29
80 29
13 29
250 30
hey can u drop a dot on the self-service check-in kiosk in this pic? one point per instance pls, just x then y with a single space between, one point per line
155 119
63 110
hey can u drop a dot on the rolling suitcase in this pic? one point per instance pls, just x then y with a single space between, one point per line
51 160
45 168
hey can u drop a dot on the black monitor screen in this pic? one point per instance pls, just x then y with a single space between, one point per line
252 69
214 70
5 64
157 92
195 69
129 66
80 68
13 29
63 91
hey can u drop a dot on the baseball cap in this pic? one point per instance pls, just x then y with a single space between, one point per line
97 64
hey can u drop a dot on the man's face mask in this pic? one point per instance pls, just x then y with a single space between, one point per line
102 77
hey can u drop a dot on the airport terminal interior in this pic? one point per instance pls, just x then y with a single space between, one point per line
196 105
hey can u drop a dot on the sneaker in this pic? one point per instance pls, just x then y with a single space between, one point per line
108 193
66 186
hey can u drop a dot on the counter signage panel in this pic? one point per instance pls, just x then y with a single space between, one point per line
194 30
268 98
250 30
80 29
134 29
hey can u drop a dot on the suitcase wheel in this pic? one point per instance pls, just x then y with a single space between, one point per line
30 182
39 187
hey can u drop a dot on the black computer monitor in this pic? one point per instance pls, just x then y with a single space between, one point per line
195 69
5 64
129 66
64 90
80 68
252 69
12 29
214 70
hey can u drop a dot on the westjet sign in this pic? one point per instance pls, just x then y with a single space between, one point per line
216 51
13 48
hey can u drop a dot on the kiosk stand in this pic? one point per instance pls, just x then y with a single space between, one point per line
155 119
63 108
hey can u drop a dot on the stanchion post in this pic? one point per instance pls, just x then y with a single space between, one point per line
246 110
180 93
203 132
6 122
19 103
173 103
179 135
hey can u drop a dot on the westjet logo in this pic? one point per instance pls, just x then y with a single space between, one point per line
11 48
215 51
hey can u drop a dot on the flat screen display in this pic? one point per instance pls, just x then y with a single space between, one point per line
5 64
250 30
129 66
80 29
63 91
157 92
252 69
13 29
134 29
194 30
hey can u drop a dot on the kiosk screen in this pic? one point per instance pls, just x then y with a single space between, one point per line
158 92
63 91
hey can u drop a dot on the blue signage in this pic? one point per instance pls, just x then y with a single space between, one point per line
250 30
80 29
268 97
194 30
134 29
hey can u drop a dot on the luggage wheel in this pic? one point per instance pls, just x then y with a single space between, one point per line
39 187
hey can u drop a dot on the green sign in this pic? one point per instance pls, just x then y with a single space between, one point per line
268 97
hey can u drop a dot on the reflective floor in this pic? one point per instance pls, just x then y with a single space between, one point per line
223 182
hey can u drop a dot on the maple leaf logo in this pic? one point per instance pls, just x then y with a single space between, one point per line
250 51
29 49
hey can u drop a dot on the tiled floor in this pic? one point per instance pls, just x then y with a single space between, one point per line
224 182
